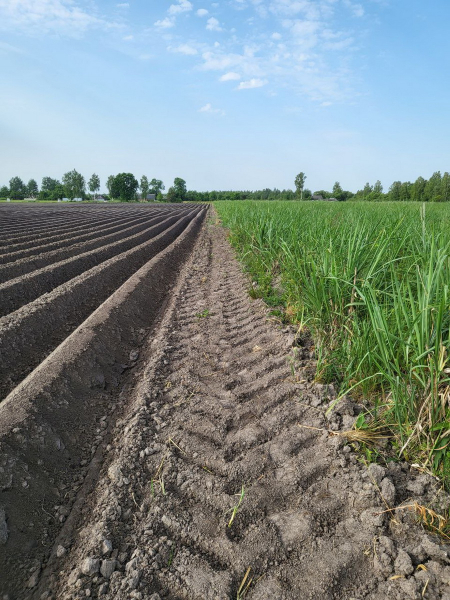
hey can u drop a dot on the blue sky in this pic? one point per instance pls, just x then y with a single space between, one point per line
233 94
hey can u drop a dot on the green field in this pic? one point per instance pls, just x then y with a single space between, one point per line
371 284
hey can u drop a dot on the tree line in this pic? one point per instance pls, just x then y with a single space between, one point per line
123 186
126 188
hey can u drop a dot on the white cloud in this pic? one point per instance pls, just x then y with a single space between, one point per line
276 36
184 49
202 12
180 7
213 24
63 17
209 109
165 23
123 5
357 9
230 76
128 38
252 84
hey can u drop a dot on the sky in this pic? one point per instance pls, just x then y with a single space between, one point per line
232 94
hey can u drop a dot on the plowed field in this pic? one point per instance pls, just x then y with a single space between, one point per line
161 437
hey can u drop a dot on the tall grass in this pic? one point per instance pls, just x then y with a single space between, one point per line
371 283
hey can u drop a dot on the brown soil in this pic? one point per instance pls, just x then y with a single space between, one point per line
216 400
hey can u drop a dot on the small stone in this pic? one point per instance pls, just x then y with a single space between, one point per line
106 546
134 355
60 551
108 567
103 589
90 566
33 581
155 597
115 474
166 521
403 563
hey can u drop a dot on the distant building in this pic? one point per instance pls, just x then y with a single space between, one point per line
316 197
150 197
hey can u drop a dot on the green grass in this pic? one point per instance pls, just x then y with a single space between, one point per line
371 284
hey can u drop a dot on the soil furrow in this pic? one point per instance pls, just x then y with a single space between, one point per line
223 462
60 241
29 334
57 419
22 290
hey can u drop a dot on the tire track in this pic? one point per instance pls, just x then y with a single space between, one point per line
214 420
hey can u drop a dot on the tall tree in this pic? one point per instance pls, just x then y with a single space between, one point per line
337 191
32 188
445 187
300 184
180 189
17 189
144 187
4 192
124 187
395 191
368 189
377 191
74 184
156 187
94 184
432 189
418 189
109 184
49 184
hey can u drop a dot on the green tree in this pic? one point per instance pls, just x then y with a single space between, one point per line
4 192
156 187
418 189
368 189
49 184
395 191
17 189
445 187
405 191
172 195
124 187
144 185
94 184
57 192
180 190
433 186
300 184
109 184
337 191
32 188
74 184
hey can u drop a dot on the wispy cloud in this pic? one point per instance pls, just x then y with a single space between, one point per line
252 84
208 108
62 17
230 76
165 23
180 7
184 49
304 51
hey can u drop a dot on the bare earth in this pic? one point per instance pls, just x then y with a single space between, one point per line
217 411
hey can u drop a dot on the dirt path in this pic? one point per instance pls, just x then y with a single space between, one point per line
212 418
